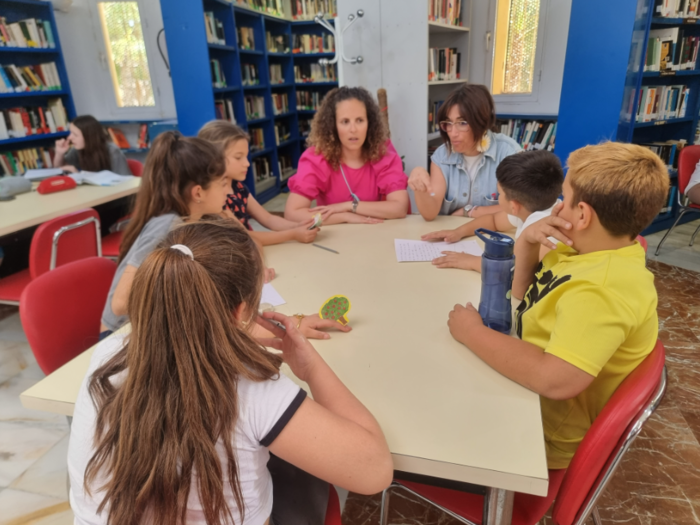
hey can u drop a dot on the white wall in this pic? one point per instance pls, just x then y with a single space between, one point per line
88 73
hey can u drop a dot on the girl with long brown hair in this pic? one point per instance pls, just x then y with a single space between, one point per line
92 149
182 178
350 168
173 422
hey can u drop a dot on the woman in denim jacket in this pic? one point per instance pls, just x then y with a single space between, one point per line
462 178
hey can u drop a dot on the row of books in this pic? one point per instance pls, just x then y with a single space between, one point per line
261 168
224 110
433 124
276 76
308 9
530 134
246 38
277 43
272 7
668 151
284 163
669 200
38 77
254 107
313 43
445 11
280 103
120 140
662 103
304 127
257 139
443 64
218 79
34 120
314 73
30 32
282 133
677 8
214 28
249 74
309 100
19 161
670 50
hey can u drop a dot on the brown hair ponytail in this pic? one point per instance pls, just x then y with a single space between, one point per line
183 359
95 155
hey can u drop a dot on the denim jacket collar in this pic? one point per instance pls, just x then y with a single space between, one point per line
456 158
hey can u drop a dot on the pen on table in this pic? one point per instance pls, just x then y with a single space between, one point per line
324 248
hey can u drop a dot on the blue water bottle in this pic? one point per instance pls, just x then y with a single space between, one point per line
497 266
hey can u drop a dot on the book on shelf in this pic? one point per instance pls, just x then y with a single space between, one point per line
249 74
669 200
314 73
662 103
670 49
36 77
261 168
668 151
254 107
304 127
282 133
272 7
677 8
25 121
257 139
246 38
284 163
214 28
445 12
18 161
280 103
308 100
30 32
143 136
433 124
224 110
217 74
444 64
276 76
310 44
530 134
118 138
277 43
308 9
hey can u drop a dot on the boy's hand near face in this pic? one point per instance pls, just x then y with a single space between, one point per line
552 226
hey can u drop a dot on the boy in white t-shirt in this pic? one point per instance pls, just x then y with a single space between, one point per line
692 190
529 184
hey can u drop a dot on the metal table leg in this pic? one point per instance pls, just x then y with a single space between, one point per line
498 507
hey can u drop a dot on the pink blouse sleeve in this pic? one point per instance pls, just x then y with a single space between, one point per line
390 175
312 176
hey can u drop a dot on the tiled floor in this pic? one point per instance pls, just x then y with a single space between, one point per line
659 482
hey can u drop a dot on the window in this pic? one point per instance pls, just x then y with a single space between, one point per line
516 46
126 50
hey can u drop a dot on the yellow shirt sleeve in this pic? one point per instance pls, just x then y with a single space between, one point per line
591 324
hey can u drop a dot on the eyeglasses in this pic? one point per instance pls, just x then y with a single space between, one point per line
446 126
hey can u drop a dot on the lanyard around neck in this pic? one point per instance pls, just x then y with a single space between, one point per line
354 197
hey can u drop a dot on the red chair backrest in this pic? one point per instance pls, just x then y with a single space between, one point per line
643 242
687 160
606 436
136 167
72 245
61 310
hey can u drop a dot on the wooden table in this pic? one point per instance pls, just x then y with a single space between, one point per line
444 412
30 209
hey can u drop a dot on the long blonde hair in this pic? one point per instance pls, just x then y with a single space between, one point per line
184 357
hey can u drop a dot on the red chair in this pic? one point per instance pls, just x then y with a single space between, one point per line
643 242
61 310
577 488
77 234
112 241
135 166
687 160
333 509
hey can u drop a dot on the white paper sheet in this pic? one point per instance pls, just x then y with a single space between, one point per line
42 173
100 178
420 251
271 296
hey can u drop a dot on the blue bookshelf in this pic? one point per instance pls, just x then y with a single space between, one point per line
13 11
604 77
195 97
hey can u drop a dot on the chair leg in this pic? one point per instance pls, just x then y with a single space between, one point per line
384 512
596 517
658 248
692 239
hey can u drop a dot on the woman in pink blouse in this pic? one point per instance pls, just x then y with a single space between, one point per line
351 168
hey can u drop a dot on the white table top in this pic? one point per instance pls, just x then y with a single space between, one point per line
444 412
30 209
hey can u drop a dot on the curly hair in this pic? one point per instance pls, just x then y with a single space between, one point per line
324 133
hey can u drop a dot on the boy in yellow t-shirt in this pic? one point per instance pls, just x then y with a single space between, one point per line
588 315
